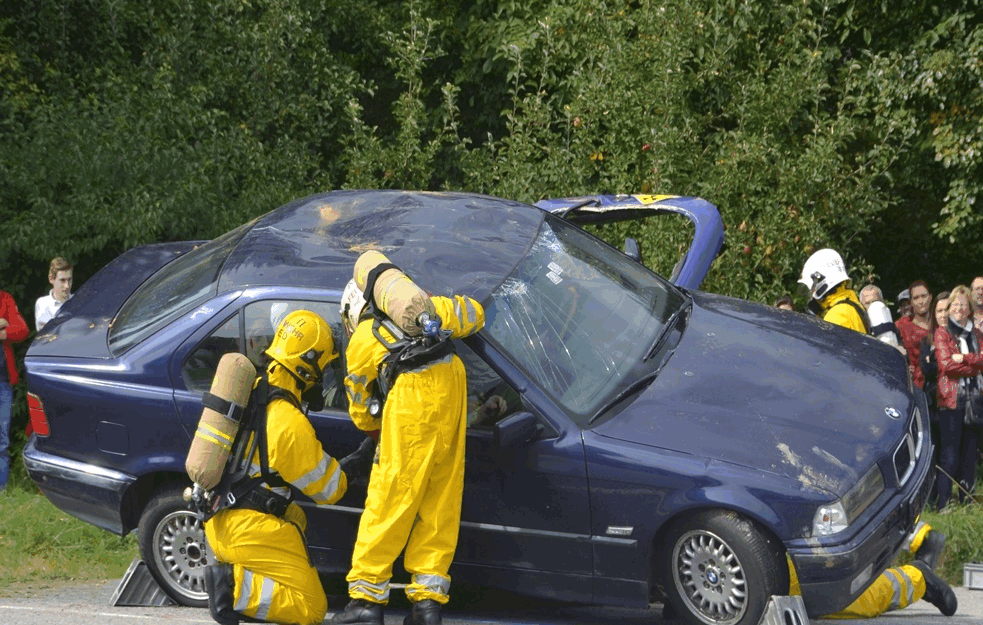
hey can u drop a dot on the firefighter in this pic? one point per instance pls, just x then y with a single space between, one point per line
415 487
264 572
825 276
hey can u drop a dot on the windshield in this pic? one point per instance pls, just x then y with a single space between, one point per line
178 287
579 317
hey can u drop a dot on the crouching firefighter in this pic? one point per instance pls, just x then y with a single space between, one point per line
412 387
253 527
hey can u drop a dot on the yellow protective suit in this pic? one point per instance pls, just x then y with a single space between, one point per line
896 588
415 489
274 580
836 309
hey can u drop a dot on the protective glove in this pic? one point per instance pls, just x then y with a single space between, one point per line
358 464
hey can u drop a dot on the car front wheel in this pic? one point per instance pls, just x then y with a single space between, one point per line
720 569
172 544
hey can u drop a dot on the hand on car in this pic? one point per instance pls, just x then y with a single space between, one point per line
493 408
358 464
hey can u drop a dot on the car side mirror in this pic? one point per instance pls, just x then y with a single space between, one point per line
632 250
516 429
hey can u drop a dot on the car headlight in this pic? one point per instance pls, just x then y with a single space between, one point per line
836 516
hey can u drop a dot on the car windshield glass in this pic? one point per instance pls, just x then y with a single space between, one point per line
579 317
178 287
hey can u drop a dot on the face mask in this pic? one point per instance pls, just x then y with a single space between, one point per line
314 397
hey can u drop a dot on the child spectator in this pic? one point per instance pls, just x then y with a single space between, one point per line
60 277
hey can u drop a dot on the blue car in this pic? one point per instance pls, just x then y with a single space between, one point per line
650 440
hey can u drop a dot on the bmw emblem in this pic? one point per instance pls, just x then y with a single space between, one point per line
712 576
892 412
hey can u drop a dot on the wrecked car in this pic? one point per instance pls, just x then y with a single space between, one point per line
658 440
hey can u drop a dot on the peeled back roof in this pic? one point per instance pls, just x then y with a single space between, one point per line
447 242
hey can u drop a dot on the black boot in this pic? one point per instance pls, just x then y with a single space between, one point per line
219 580
426 612
937 592
930 551
360 612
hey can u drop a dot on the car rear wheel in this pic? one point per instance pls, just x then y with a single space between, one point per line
172 544
720 569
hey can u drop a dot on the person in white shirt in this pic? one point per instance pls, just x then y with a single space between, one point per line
60 277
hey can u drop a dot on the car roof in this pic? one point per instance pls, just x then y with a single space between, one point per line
447 242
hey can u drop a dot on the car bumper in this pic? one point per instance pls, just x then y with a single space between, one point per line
832 577
93 494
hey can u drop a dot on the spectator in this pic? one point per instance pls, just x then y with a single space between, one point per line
60 277
784 302
957 350
904 303
13 329
929 370
881 325
977 286
915 328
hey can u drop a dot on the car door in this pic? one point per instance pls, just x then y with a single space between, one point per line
525 515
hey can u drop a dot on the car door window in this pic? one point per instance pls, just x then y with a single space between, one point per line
262 318
199 368
490 398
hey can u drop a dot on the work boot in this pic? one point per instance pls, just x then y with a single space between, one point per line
937 592
360 612
426 612
219 580
930 551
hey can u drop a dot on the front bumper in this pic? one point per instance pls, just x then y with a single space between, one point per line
832 577
93 494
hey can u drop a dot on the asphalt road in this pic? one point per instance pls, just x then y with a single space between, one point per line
88 604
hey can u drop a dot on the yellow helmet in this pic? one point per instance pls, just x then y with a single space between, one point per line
304 346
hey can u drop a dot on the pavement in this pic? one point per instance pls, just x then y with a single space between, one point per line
88 604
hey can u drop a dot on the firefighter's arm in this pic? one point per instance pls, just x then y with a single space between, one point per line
296 454
363 356
460 314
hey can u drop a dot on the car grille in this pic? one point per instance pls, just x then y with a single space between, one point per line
909 449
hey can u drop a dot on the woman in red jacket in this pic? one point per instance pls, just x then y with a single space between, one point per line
957 352
12 330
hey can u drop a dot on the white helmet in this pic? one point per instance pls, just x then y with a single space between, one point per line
823 271
352 305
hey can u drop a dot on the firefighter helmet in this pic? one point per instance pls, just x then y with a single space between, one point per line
823 271
304 346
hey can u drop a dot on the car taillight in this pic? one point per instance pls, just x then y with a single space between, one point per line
39 420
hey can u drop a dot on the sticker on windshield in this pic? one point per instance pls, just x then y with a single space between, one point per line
554 277
555 268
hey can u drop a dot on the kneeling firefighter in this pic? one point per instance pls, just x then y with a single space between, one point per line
405 380
252 525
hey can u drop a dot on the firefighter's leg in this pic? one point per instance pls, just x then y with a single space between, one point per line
433 540
895 588
406 449
273 580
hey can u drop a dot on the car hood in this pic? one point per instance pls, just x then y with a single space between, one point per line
81 326
775 391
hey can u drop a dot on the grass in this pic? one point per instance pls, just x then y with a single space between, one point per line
963 527
40 545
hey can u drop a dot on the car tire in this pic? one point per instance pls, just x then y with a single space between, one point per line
172 544
719 568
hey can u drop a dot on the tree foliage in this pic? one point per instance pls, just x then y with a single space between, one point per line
814 123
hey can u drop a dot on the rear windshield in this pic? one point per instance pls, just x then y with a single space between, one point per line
174 290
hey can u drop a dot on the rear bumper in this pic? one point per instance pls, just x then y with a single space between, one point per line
832 577
93 494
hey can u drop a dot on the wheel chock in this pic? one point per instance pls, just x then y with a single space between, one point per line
785 610
138 588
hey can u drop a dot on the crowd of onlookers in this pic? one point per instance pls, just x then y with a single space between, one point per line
941 335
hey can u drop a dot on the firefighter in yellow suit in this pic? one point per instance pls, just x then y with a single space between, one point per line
824 275
415 489
267 575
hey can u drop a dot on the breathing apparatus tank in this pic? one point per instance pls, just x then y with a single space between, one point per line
224 406
394 293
